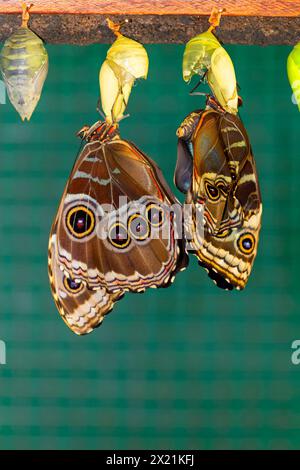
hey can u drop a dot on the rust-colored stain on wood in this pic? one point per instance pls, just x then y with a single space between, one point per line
272 8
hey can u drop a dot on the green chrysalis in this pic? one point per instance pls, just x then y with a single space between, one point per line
126 61
205 56
293 70
24 67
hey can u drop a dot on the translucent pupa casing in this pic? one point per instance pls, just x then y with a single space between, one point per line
204 54
293 70
126 61
24 67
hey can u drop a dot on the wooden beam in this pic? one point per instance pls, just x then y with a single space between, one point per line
155 21
158 7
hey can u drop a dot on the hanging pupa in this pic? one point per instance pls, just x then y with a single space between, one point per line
293 70
205 56
126 61
24 67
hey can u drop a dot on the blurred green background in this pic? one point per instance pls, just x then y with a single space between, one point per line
191 366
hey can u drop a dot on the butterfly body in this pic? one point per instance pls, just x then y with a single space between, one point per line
216 169
114 230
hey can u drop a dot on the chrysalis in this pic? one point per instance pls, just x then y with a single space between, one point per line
24 67
205 56
293 70
126 61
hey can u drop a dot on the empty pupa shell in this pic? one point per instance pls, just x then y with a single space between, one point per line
130 56
24 67
197 54
204 53
126 61
293 70
115 100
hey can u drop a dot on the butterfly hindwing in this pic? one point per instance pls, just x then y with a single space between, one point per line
82 308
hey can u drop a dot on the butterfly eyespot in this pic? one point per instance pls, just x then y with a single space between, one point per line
72 285
138 227
246 243
80 221
155 215
221 187
212 192
118 235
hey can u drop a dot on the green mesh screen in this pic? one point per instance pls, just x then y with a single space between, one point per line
191 366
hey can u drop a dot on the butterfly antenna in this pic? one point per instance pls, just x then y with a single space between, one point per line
199 93
99 110
124 117
201 80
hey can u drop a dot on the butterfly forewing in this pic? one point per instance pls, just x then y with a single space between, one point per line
111 190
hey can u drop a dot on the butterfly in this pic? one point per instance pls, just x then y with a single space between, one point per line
216 170
115 229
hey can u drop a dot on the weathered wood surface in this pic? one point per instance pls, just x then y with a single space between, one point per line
158 7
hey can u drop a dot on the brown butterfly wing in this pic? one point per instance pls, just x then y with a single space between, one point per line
103 173
81 308
225 195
